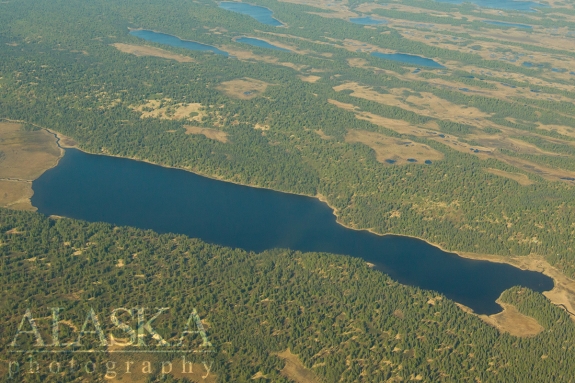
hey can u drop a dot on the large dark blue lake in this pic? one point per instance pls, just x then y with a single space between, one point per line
128 192
261 14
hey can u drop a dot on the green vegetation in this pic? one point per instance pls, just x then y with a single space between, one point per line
455 128
68 77
343 320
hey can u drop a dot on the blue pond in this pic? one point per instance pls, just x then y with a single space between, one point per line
260 43
367 21
408 59
261 14
528 64
162 38
510 25
511 5
127 192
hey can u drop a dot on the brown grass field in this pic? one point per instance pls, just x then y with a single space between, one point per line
398 150
213 134
489 144
513 322
522 179
245 55
167 110
245 88
310 79
16 194
24 156
295 370
143 50
425 104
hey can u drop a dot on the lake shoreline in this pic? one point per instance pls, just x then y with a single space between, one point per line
562 294
179 38
27 200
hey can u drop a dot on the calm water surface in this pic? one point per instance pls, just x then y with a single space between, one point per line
162 38
367 21
127 192
260 43
408 59
261 14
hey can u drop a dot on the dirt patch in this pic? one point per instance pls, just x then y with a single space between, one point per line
522 179
142 50
310 79
166 109
392 150
295 370
213 134
245 88
513 322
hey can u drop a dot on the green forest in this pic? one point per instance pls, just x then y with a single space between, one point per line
74 82
501 104
343 320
